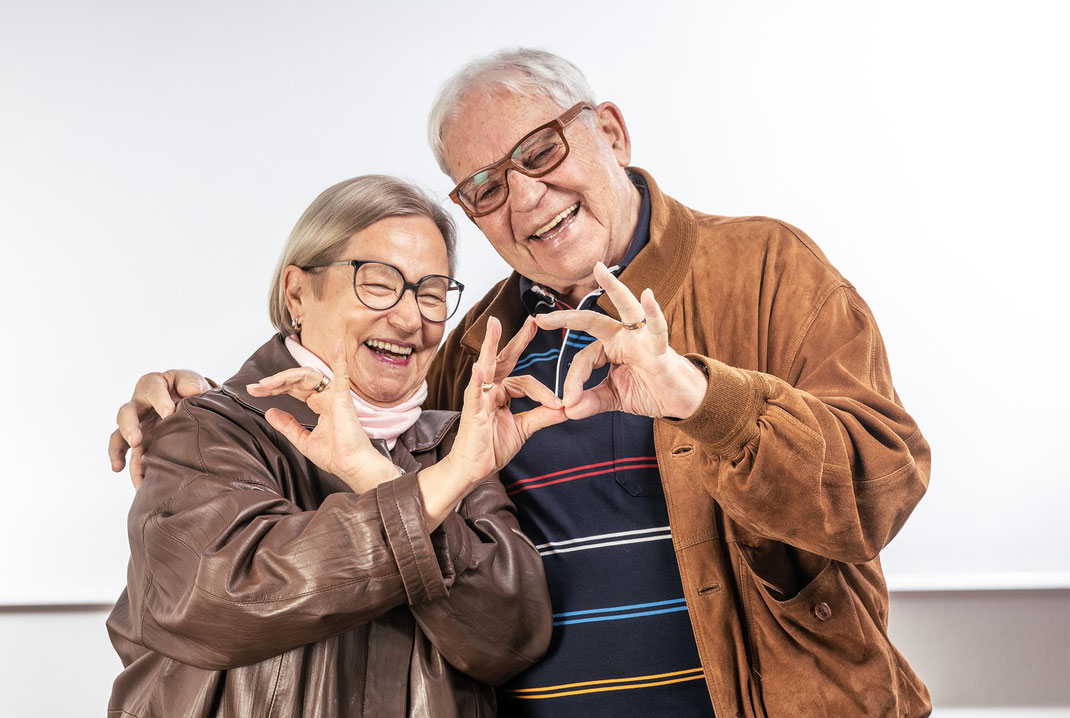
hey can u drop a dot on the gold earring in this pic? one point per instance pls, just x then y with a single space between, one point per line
295 322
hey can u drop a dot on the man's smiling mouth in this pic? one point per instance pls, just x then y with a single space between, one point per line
555 225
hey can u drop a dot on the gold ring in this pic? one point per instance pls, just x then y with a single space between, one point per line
635 325
325 382
488 387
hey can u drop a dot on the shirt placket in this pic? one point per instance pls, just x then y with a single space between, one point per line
569 350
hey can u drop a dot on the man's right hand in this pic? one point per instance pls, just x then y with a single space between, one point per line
156 392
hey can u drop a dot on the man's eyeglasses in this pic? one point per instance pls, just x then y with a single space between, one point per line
380 286
539 152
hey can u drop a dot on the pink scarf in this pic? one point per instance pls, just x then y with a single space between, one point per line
379 422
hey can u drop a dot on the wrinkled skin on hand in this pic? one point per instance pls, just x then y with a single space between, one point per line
646 376
155 396
338 443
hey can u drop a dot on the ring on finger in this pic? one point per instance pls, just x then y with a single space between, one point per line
487 386
325 381
634 325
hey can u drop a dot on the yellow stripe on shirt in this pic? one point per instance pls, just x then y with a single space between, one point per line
608 684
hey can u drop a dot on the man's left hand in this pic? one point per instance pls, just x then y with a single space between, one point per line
646 376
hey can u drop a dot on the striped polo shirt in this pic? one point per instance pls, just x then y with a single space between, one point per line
588 493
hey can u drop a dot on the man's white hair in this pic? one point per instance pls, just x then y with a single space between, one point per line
522 71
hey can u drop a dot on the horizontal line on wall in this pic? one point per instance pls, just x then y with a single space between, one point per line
54 607
901 583
1002 581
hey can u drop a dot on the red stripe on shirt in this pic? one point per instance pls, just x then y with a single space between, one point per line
581 468
581 476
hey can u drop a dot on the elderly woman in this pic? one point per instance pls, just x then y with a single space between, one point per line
365 562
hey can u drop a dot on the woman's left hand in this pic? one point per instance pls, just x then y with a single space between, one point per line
646 376
338 444
490 435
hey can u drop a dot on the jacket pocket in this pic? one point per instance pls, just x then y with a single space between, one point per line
817 650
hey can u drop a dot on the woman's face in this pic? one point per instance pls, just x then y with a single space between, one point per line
416 247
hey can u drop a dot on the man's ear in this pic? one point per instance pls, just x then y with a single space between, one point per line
294 286
611 124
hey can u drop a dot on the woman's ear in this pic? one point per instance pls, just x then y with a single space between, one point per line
294 287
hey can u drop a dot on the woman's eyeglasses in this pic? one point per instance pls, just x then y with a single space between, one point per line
380 286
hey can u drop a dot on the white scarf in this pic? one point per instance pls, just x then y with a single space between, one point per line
379 422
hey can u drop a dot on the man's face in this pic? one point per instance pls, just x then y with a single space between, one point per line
551 229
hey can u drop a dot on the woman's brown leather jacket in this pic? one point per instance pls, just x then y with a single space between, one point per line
261 586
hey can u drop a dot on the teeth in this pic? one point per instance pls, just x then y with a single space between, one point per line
390 347
554 222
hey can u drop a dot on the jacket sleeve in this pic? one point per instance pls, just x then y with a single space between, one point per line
225 571
831 462
496 621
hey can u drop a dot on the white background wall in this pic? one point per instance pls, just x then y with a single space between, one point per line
153 158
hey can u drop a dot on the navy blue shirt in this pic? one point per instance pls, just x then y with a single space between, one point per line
588 493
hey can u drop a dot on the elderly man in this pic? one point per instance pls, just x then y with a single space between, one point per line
711 519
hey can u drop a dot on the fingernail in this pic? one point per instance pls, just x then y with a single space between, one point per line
254 384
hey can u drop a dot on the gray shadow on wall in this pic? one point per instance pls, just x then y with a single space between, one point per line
986 648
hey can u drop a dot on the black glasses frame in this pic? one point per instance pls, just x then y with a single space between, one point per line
405 284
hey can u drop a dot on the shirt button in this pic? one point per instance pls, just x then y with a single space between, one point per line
822 611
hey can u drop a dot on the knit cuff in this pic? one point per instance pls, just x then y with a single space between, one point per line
727 419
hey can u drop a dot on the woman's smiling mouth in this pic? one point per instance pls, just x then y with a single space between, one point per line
389 351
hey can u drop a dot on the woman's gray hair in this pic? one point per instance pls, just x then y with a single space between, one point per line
523 72
320 236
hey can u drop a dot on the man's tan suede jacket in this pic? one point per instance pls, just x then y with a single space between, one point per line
798 468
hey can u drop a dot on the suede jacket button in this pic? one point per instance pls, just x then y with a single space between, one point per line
822 611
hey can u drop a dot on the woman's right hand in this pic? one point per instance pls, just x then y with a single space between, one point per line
338 444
